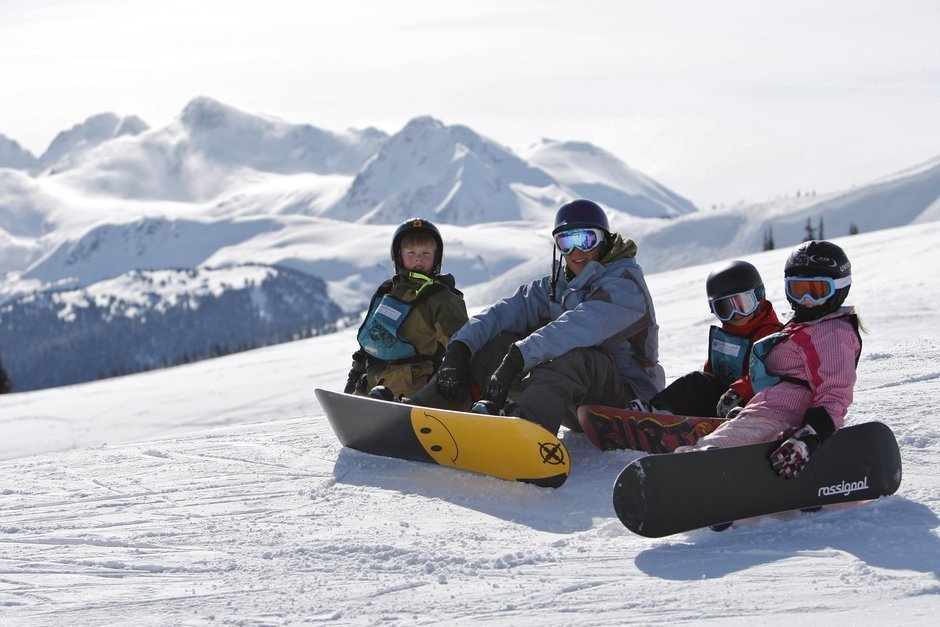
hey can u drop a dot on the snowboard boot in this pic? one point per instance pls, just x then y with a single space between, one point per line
382 393
811 510
511 408
721 526
639 405
485 407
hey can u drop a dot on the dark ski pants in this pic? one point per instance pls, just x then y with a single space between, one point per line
550 393
693 394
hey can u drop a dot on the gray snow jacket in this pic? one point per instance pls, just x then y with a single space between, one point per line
607 306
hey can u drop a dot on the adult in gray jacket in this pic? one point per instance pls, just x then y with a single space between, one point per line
587 333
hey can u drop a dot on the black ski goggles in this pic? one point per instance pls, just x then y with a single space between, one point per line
743 304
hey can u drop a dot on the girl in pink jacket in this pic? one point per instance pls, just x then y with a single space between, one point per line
804 375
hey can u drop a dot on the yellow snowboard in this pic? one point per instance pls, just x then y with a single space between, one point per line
507 448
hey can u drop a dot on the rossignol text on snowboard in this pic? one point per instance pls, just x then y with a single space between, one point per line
498 446
659 495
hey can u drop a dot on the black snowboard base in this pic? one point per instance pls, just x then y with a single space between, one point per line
659 495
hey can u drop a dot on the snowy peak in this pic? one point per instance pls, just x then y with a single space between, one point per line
215 152
12 155
592 172
448 173
68 146
454 175
226 135
209 148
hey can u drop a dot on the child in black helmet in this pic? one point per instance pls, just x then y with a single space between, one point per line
736 296
411 317
803 376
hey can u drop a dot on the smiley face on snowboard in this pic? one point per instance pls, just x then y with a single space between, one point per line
435 437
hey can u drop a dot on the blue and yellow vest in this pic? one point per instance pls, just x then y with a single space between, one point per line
379 336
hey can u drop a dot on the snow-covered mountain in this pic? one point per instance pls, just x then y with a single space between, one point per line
70 147
148 319
449 174
453 175
592 172
203 153
221 187
113 249
12 155
216 493
911 196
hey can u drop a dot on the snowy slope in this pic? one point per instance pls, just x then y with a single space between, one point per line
215 492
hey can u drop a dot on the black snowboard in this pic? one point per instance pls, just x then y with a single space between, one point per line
659 495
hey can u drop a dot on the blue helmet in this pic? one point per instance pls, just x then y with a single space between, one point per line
581 213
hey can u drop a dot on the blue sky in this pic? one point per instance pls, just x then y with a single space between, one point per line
722 101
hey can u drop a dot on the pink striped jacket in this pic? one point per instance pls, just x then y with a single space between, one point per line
823 353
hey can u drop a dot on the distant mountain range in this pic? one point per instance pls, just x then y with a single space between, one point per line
149 319
220 188
447 173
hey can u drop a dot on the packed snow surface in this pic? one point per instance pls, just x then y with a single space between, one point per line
216 493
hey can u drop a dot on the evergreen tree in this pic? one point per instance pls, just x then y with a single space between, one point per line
810 233
5 384
853 229
821 236
769 238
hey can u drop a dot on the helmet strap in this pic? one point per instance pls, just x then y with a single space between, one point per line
556 267
425 280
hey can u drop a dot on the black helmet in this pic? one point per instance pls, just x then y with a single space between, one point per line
410 226
819 258
581 213
734 277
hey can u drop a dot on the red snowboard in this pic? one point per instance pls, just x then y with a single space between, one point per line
611 428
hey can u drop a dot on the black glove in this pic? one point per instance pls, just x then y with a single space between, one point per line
728 401
353 381
454 371
789 459
498 387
